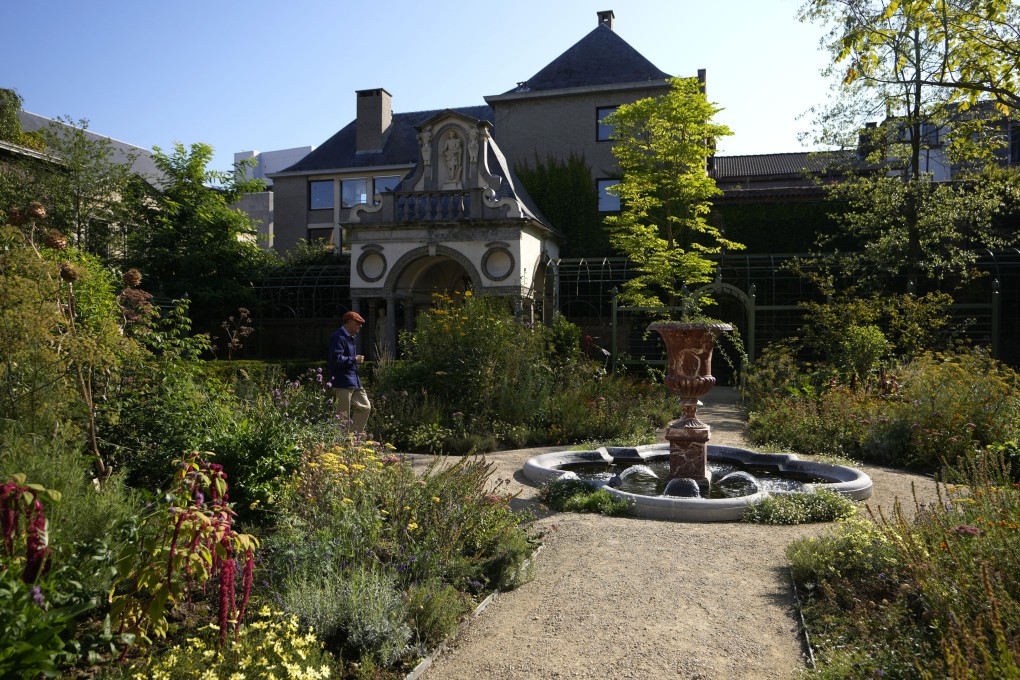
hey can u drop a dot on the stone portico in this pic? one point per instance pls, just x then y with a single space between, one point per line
457 222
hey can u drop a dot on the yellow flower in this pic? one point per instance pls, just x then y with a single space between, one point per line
347 500
412 526
435 499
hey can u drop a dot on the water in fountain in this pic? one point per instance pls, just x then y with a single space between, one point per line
649 479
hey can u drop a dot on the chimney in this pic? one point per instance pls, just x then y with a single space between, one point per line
375 113
606 17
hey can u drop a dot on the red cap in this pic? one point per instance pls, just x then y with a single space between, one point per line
352 316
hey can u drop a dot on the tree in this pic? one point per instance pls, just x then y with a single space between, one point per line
910 63
10 124
84 192
191 242
662 145
968 48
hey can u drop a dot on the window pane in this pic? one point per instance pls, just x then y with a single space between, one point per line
386 183
320 194
608 202
353 192
605 132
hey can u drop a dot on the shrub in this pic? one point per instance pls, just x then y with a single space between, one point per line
822 505
936 408
357 612
355 508
572 495
435 609
861 350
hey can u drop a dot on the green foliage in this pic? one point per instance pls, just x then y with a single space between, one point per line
776 227
191 242
478 379
572 495
862 350
187 541
912 65
662 146
83 522
911 324
565 193
936 237
356 516
935 408
435 610
357 612
929 595
37 622
84 194
272 645
305 253
822 505
10 124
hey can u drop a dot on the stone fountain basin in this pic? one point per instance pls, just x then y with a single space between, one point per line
848 481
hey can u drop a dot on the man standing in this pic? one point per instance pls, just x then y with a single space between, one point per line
351 398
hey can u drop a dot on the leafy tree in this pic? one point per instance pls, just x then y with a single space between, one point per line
662 145
10 124
565 193
911 64
192 242
84 193
968 49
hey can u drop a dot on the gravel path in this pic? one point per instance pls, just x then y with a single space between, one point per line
632 598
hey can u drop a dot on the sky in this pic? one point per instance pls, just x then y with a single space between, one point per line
262 76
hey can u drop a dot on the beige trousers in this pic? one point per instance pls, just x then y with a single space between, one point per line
353 402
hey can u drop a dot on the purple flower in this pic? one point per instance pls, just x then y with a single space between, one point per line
37 596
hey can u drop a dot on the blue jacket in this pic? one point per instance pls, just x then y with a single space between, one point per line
343 369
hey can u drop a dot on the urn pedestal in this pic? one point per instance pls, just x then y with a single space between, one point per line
689 376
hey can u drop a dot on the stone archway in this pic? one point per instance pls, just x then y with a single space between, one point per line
747 305
413 280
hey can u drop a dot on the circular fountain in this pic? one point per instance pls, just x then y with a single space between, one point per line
771 472
687 491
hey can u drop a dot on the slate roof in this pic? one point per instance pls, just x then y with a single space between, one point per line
400 147
142 165
774 165
600 58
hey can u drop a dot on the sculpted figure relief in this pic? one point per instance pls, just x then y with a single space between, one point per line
453 150
473 146
425 140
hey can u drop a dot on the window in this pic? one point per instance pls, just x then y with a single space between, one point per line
353 192
386 183
608 202
320 194
604 133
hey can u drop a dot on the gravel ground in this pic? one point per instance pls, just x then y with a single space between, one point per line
632 598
